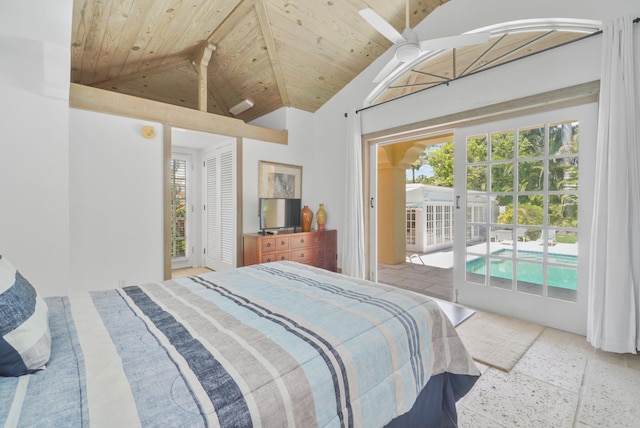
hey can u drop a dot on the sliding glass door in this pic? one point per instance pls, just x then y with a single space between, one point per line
522 215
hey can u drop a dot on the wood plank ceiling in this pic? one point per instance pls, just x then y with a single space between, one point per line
276 53
273 52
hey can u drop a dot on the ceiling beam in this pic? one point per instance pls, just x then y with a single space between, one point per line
201 62
100 100
228 23
239 12
265 25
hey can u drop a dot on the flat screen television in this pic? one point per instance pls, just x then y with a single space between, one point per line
280 213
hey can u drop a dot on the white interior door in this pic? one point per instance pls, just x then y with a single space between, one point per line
523 214
220 207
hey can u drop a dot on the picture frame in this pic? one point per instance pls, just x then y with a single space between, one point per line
279 180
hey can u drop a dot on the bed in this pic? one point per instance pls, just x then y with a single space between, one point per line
273 345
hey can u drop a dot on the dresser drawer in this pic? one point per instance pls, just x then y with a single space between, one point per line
268 245
302 255
282 243
319 252
331 238
319 239
330 252
272 257
301 241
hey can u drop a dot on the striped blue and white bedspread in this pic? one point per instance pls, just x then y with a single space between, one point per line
273 345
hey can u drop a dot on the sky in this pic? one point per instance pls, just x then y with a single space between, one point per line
424 170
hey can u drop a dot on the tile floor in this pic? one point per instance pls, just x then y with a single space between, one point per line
561 381
179 273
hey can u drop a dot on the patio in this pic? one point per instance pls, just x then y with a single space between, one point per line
432 273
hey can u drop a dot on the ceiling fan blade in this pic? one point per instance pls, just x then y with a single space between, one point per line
386 70
454 41
382 26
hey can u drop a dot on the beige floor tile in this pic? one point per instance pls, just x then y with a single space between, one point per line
633 361
558 358
470 419
610 395
515 400
180 273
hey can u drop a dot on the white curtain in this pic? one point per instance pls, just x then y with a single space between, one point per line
353 235
614 268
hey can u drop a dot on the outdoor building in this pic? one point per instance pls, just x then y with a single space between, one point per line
430 212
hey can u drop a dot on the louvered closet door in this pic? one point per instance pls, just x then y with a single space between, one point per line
220 208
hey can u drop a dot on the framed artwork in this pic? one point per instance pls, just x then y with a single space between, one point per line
279 180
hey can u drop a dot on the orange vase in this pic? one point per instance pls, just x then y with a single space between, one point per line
321 217
307 217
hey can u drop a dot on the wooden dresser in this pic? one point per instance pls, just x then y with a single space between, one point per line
315 248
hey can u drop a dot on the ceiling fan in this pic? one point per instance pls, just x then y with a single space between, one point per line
408 47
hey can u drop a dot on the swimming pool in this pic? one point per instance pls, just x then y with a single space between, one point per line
529 271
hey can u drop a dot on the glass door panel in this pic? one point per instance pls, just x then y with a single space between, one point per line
520 196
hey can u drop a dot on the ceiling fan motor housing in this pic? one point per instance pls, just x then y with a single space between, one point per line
407 52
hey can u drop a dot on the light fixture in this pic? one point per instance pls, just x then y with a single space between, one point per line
240 107
148 132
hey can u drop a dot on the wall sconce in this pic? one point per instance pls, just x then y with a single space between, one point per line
148 132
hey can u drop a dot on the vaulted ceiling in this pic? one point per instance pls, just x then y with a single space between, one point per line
276 53
273 52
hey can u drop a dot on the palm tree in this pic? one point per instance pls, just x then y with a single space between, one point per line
419 162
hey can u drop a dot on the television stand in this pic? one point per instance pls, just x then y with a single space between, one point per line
316 248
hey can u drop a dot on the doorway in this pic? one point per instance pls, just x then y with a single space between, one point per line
513 214
214 216
522 225
413 221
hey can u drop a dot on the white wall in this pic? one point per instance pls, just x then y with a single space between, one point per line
573 64
34 149
116 201
300 151
116 191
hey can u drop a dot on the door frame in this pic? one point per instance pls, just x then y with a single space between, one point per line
563 314
199 147
577 95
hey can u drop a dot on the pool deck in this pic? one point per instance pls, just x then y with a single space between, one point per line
431 274
444 259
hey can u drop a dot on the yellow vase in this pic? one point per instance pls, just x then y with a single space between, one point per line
321 217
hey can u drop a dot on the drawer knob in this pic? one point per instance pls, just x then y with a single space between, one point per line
268 260
302 241
301 254
281 242
268 244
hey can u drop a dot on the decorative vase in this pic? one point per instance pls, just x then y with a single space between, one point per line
307 217
321 217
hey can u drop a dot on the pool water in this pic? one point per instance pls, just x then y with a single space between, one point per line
557 276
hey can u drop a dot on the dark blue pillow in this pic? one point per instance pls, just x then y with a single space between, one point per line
25 338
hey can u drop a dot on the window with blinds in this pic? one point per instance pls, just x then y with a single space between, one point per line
178 208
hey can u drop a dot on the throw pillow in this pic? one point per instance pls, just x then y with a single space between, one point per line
25 338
